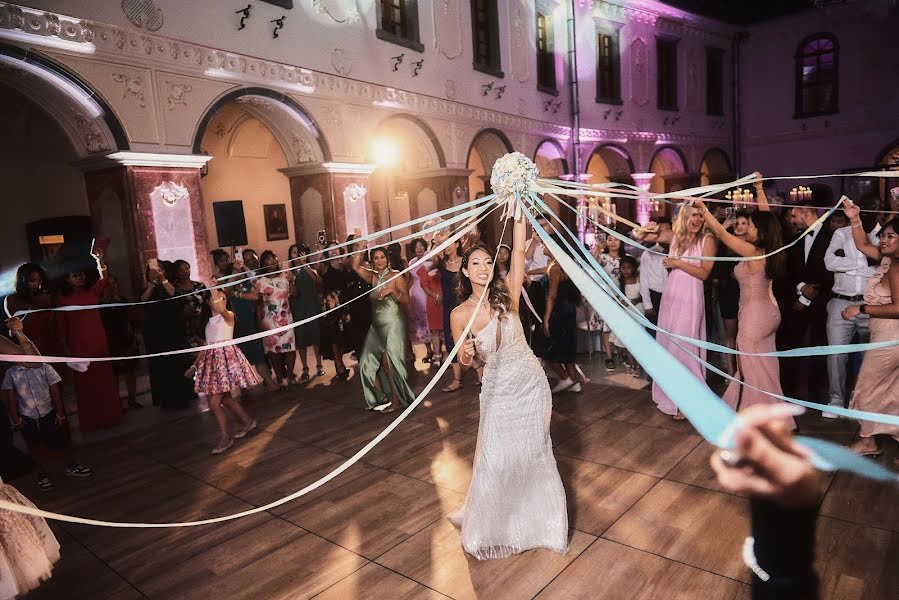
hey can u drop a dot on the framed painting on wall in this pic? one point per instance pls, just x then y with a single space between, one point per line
275 222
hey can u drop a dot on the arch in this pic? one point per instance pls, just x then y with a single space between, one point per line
490 144
715 167
667 162
424 128
550 158
296 130
89 122
609 161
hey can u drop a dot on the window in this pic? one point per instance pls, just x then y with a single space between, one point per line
485 37
608 69
816 76
398 23
666 77
714 81
546 58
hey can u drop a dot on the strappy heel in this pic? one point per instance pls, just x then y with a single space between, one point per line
449 390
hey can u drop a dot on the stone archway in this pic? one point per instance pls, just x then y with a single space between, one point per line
611 162
486 147
670 168
715 167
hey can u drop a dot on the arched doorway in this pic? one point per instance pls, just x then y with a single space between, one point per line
486 147
888 160
551 164
53 120
715 168
407 154
670 168
253 134
610 162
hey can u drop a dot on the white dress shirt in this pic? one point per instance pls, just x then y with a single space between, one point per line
851 272
652 275
538 261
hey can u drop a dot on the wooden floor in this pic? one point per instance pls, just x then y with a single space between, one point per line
648 520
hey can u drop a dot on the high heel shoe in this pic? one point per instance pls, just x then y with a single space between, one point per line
223 447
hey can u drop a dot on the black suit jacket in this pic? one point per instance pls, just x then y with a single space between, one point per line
799 270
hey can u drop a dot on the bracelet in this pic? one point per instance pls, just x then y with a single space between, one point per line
857 225
60 417
467 364
17 423
863 309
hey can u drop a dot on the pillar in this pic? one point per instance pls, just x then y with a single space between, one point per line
149 206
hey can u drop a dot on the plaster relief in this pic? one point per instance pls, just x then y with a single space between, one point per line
448 28
520 17
339 11
144 14
639 72
132 86
692 79
341 61
176 94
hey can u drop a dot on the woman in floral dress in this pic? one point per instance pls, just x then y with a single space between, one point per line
274 292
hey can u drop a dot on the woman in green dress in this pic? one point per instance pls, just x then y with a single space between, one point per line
245 304
382 365
306 304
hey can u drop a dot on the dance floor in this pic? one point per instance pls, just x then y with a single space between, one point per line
647 518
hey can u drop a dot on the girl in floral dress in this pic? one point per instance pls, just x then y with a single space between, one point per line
218 371
274 291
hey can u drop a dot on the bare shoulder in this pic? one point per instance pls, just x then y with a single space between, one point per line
461 313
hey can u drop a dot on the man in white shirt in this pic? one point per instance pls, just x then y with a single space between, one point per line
851 272
653 276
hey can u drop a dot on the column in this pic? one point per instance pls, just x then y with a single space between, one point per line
644 204
149 206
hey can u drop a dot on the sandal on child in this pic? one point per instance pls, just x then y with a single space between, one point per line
449 389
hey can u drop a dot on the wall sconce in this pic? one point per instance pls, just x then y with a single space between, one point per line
397 61
618 114
487 87
556 106
418 66
279 24
500 91
547 105
606 113
246 15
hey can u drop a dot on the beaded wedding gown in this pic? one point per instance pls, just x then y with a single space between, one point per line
516 501
28 548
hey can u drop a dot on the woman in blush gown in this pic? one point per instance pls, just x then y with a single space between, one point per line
758 316
682 310
516 501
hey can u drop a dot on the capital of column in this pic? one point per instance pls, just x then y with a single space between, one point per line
143 159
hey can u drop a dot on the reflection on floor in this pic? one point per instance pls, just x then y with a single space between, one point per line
648 520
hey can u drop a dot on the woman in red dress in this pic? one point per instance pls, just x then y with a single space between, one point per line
81 334
32 294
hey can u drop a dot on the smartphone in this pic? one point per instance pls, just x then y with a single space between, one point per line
99 245
321 237
357 233
730 213
601 237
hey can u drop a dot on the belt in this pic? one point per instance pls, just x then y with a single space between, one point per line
858 298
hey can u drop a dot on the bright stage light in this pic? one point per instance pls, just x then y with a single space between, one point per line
384 152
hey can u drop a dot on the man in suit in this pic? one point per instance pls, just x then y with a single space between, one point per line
802 295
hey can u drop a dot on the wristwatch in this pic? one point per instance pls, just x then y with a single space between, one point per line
863 309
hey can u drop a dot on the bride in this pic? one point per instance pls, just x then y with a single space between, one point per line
516 501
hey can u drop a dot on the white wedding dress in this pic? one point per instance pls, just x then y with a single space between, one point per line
516 501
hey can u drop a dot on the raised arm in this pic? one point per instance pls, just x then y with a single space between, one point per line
741 247
555 277
362 272
515 278
760 195
859 236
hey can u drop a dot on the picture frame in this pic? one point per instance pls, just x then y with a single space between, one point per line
275 222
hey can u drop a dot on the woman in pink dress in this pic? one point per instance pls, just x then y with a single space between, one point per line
682 310
759 316
877 389
81 333
274 293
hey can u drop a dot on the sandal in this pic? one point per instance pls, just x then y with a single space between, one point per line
427 359
305 375
453 387
222 448
246 430
319 372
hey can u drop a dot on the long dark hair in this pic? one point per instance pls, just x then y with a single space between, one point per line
498 295
382 250
262 268
395 256
770 238
23 274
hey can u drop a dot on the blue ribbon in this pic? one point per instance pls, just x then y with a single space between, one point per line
710 415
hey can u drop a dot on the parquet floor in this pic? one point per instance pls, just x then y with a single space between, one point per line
648 520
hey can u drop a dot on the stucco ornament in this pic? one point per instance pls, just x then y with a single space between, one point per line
170 192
